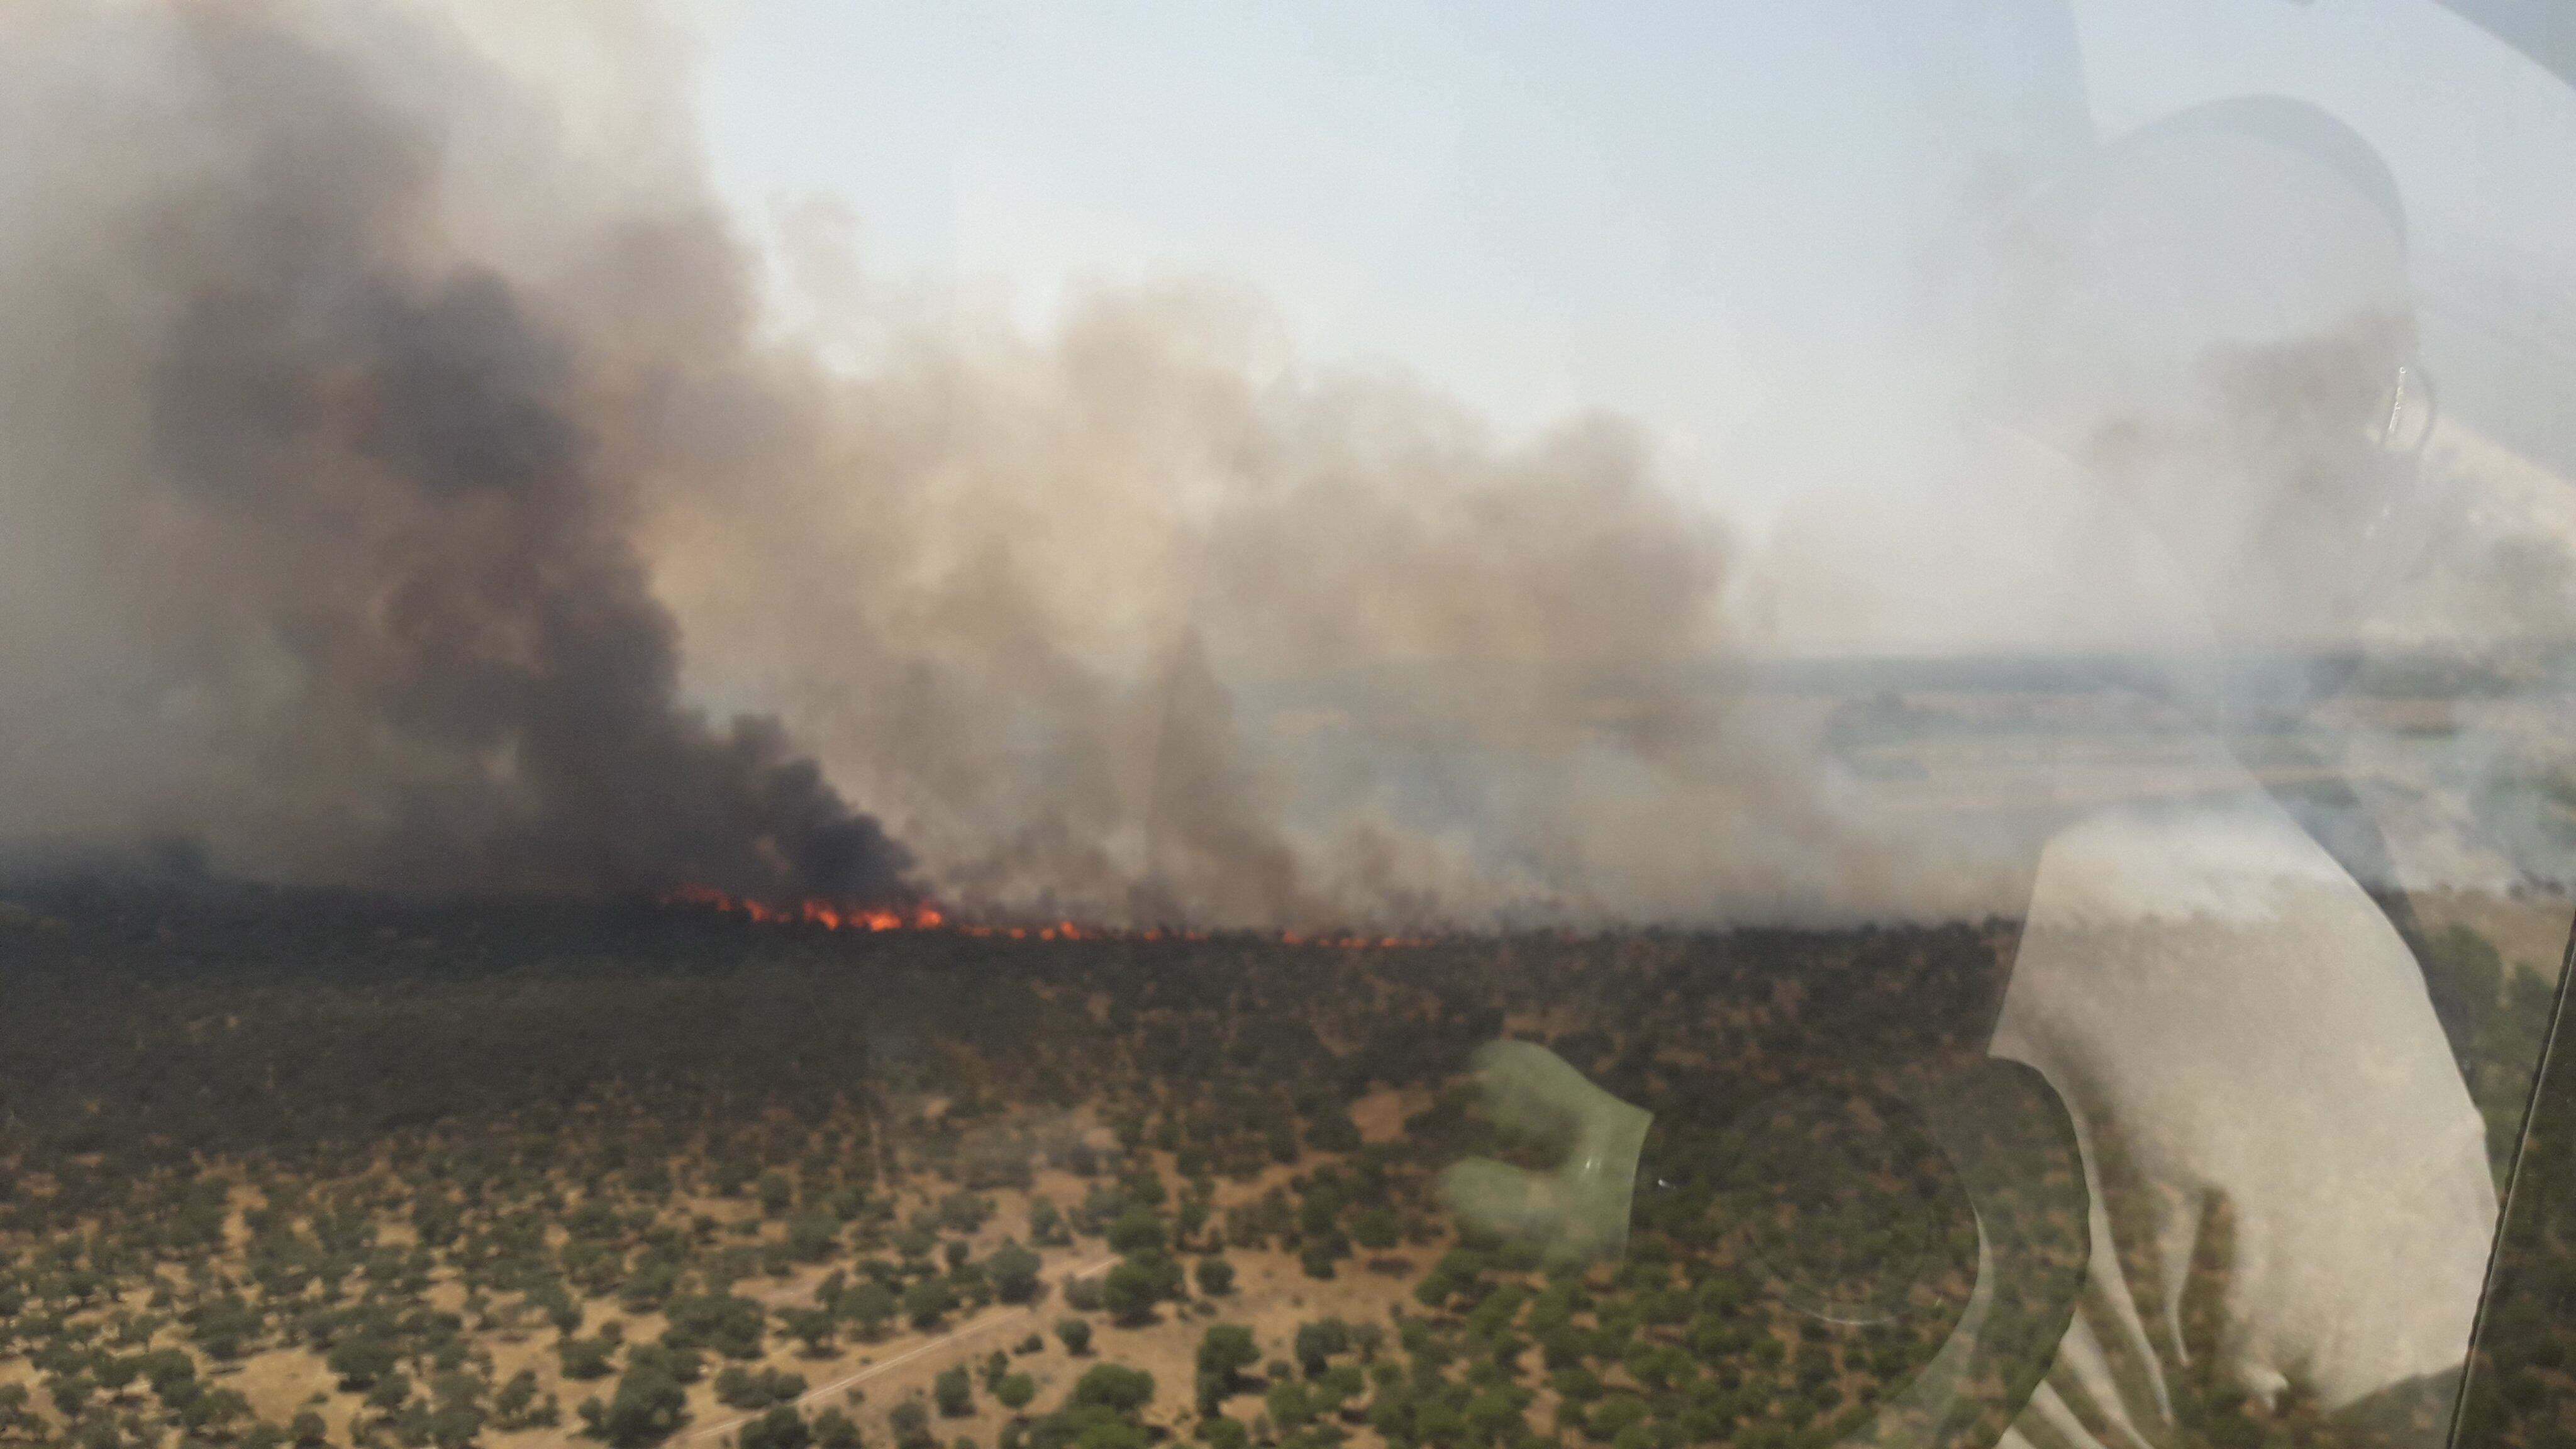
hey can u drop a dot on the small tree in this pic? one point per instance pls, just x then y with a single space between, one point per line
455 1425
682 1363
560 1307
1129 1293
812 1327
647 1407
71 1392
388 1395
1083 1293
871 1306
1113 1386
1014 1391
928 1301
585 1358
954 1391
1317 1342
1227 1350
1316 1258
740 1388
358 1360
517 1406
728 1323
1377 1228
835 1430
1046 1224
780 1428
1287 1404
1076 1334
1137 1230
1013 1272
777 1194
911 1425
214 1413
812 1236
1216 1277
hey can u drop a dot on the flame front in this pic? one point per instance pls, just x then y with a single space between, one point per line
834 915
814 911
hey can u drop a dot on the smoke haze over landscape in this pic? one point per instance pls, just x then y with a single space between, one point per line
407 486
357 531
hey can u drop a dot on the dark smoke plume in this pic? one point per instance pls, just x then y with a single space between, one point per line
378 453
382 421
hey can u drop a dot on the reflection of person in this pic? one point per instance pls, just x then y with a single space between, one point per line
2206 329
2210 326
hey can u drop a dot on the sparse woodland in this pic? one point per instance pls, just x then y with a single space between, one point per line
303 1168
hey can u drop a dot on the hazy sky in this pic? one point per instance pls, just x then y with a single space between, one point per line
1520 199
1727 222
1698 221
965 576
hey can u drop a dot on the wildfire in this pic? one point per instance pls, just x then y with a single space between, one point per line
922 916
813 911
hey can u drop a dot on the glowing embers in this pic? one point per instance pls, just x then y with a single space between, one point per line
814 911
923 916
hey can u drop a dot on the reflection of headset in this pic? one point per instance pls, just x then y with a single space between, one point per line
2301 297
2269 345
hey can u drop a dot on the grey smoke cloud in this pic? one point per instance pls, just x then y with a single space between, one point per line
403 483
365 579
381 449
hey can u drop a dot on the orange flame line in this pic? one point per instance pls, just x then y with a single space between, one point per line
922 916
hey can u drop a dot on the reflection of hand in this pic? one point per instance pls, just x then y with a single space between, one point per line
1580 1210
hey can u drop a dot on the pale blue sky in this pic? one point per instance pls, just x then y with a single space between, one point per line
1716 218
